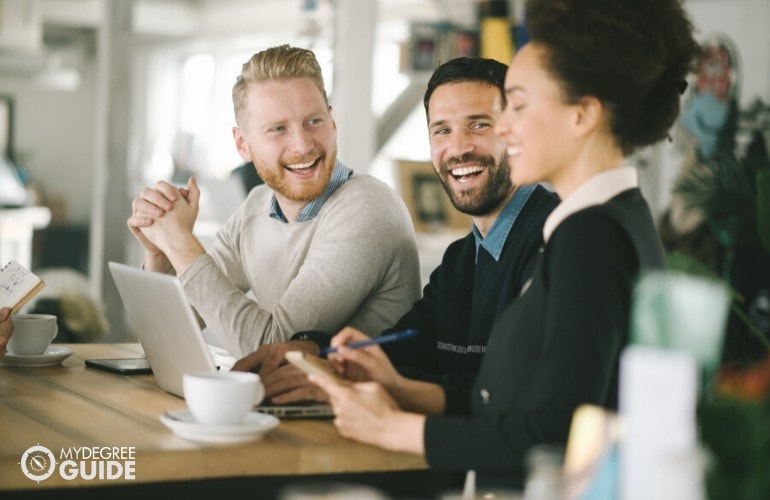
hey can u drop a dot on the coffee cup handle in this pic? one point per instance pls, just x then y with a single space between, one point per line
55 330
259 393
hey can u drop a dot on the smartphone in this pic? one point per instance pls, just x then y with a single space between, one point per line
311 364
123 366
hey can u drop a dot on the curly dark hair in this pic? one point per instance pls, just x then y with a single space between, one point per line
632 55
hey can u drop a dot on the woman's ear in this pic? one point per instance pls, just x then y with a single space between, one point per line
589 114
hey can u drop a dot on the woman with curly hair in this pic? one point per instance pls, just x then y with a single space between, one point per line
597 80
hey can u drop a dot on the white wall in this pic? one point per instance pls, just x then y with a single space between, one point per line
54 139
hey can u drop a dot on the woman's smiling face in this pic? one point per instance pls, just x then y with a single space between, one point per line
536 122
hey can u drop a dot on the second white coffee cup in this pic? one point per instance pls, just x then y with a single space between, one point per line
222 398
32 333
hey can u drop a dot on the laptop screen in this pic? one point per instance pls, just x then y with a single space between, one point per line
165 324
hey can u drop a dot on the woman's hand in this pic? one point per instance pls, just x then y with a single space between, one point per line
363 364
370 363
6 329
365 412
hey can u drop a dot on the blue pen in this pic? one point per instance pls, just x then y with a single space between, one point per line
382 339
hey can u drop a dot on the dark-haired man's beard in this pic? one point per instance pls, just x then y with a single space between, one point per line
479 198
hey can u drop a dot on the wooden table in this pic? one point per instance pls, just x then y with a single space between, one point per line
69 405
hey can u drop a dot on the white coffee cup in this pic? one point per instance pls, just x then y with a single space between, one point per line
222 398
32 333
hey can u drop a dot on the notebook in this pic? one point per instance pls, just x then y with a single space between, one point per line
18 285
167 328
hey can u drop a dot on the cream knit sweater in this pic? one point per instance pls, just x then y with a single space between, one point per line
355 263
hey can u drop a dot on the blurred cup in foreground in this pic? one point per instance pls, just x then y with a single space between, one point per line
682 312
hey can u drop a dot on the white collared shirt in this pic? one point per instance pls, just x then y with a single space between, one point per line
597 190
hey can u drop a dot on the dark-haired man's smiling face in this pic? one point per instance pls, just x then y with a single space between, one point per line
468 157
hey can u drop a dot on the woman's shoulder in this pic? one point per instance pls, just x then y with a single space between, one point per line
624 221
626 207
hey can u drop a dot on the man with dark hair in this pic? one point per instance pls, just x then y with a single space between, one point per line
481 273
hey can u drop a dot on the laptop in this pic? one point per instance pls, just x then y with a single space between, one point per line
166 326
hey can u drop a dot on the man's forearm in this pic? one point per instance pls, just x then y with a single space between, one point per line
179 251
157 263
182 257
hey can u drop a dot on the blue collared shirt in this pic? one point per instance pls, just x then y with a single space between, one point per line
498 233
340 176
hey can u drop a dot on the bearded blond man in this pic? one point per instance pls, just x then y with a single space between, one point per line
316 248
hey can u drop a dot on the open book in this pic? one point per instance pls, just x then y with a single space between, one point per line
17 285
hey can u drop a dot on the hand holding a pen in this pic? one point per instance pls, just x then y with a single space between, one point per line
371 410
366 363
382 407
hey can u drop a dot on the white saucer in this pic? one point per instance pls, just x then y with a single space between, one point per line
52 356
182 423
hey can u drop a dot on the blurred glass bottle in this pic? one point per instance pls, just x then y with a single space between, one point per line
545 479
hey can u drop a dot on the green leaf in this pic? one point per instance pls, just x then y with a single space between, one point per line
722 192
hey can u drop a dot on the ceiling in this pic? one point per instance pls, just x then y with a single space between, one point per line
38 34
24 21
